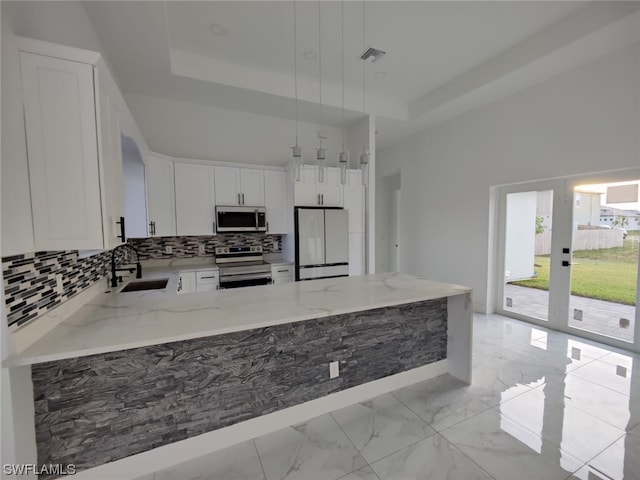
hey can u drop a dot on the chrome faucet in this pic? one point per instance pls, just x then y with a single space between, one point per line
114 271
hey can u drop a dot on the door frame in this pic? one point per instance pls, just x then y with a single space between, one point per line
560 277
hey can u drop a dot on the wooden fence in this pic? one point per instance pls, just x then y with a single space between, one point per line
582 240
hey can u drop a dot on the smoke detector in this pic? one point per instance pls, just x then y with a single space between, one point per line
372 54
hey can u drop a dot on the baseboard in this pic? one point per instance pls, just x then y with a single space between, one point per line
166 456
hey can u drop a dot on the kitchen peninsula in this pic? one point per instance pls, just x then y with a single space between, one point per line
130 372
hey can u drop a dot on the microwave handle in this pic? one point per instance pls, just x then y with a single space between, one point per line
256 212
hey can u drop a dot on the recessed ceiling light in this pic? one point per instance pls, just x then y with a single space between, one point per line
379 75
310 55
217 29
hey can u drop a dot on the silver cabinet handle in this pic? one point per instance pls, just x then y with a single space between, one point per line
256 212
239 203
243 198
267 227
322 196
214 276
152 228
283 271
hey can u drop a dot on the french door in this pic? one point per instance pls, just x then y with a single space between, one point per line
567 257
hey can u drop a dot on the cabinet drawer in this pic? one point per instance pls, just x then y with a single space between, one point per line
281 270
207 276
207 287
280 280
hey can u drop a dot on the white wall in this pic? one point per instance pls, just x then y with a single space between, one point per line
177 129
586 120
135 195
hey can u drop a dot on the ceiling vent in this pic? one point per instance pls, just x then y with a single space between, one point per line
372 54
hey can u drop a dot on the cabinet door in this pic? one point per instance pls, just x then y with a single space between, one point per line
331 189
187 282
336 236
356 254
111 170
252 187
195 212
275 201
354 202
306 190
60 121
227 186
161 197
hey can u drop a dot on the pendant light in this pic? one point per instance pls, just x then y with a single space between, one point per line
364 157
343 157
297 162
321 154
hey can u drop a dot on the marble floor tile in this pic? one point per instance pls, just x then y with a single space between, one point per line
500 377
618 374
381 426
608 405
442 401
239 462
145 477
576 432
506 450
365 473
316 450
432 458
503 331
561 352
621 461
482 348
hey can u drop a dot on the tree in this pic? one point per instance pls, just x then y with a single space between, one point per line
620 221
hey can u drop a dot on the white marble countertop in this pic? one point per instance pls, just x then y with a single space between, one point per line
118 321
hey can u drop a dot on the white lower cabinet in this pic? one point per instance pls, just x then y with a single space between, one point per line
187 282
207 281
282 273
199 281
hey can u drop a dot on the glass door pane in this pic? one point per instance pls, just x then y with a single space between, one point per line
604 265
528 253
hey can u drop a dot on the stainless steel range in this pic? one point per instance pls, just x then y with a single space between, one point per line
242 267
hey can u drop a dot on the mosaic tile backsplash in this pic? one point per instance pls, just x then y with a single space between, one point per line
30 286
156 247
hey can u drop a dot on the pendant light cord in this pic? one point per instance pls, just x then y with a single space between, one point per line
320 66
295 63
342 66
364 61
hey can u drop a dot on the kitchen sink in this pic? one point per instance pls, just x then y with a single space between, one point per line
155 284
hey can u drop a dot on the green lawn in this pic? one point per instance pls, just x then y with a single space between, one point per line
608 274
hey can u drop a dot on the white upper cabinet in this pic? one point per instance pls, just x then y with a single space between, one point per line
64 174
195 199
239 186
308 192
354 202
252 187
275 200
114 223
161 197
331 190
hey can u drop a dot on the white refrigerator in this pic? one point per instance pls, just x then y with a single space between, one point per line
322 243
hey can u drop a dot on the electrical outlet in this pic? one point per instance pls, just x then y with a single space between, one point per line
59 285
201 249
334 369
168 249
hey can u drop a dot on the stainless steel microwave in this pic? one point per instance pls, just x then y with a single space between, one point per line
241 219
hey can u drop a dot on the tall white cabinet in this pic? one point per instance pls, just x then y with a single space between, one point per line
160 197
195 199
73 150
354 203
